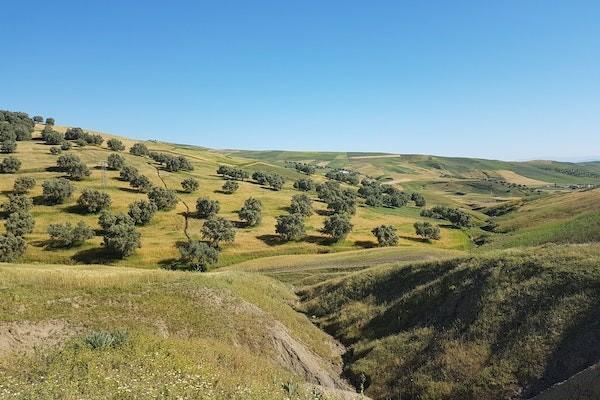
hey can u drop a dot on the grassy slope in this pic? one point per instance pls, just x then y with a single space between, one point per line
489 327
564 218
159 238
191 335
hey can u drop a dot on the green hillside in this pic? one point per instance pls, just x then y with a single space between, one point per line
504 325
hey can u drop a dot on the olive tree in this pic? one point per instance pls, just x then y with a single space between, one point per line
67 235
93 201
206 207
19 223
10 165
8 146
11 247
251 212
190 185
418 199
17 202
217 230
115 145
142 211
337 226
386 235
141 183
54 138
197 256
121 239
115 162
301 204
230 187
23 184
128 173
164 199
304 184
56 191
427 230
139 149
290 227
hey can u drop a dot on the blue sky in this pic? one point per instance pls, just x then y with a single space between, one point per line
506 79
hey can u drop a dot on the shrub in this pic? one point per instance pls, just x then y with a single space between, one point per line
11 247
230 187
50 121
121 239
93 201
19 223
108 219
94 139
72 165
54 138
418 199
290 227
74 134
78 172
81 142
457 217
142 211
115 162
301 205
343 175
206 207
216 230
427 230
163 198
179 163
22 133
345 203
128 173
260 177
233 173
8 146
115 145
139 149
386 235
17 202
55 150
10 165
56 191
67 161
141 183
65 146
275 181
100 340
337 226
197 256
23 184
304 184
190 185
67 236
251 212
38 119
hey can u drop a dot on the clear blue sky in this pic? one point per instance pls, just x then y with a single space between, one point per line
496 79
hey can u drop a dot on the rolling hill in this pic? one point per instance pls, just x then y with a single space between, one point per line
500 307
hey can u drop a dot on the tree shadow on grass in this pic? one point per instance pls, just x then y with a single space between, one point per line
271 240
320 240
38 201
414 239
129 190
75 209
324 213
96 255
365 244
